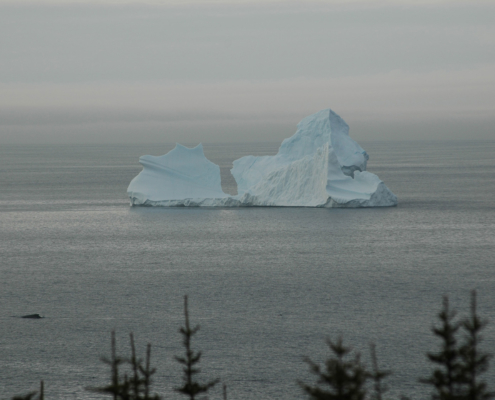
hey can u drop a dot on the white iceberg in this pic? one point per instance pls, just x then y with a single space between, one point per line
181 174
319 166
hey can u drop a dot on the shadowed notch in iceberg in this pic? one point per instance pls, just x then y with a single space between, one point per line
319 166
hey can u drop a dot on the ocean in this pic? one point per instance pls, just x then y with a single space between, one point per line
266 285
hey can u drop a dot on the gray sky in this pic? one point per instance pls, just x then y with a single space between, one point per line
130 71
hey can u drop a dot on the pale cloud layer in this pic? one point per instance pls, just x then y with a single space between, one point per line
239 2
243 72
447 94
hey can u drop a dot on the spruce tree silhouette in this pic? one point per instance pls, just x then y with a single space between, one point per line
138 386
342 379
457 375
190 360
377 376
474 362
446 377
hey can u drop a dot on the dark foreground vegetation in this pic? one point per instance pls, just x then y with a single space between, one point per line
457 372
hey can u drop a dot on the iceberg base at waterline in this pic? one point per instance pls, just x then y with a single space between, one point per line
319 166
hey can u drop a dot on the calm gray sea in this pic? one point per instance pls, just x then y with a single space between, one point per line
267 285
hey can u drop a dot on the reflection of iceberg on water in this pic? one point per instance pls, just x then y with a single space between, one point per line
320 166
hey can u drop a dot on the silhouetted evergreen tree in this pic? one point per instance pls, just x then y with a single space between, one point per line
224 391
341 378
377 376
473 361
190 360
138 386
446 377
456 376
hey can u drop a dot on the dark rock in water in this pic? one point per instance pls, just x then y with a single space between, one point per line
32 316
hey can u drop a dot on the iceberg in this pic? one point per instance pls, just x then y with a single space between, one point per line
319 166
175 178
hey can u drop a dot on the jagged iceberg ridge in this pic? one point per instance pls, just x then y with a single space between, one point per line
319 166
